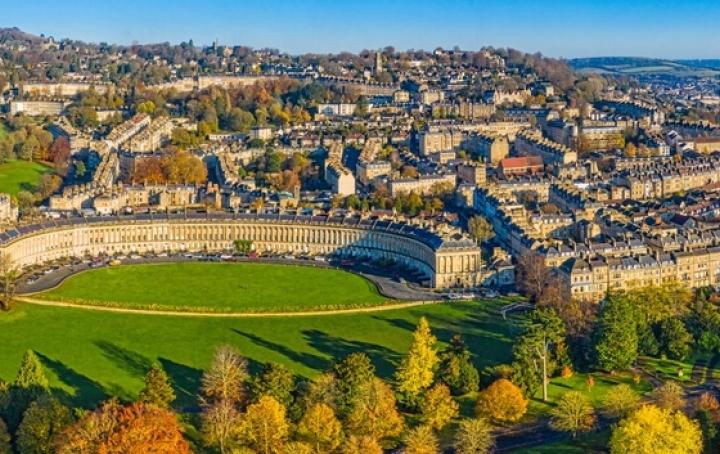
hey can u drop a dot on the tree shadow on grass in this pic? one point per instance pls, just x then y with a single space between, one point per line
489 338
186 383
88 393
338 348
125 359
306 359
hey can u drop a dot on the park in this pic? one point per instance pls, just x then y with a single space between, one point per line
98 331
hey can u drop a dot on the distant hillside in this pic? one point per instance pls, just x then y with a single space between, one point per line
640 66
15 34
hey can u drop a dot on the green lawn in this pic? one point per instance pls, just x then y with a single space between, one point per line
578 382
682 371
219 287
16 176
594 442
91 354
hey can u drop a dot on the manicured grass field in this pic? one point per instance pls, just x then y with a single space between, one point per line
219 287
91 354
16 176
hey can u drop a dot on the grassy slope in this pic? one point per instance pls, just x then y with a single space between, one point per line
16 176
222 287
92 354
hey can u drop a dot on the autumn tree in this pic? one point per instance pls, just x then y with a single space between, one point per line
225 379
573 413
669 396
502 401
473 436
375 414
417 369
60 154
222 391
219 424
653 430
274 380
362 444
157 390
42 422
438 407
621 400
320 428
456 368
421 440
149 170
9 274
123 429
532 275
264 427
321 389
480 229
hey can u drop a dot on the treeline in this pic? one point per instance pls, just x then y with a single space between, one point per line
174 166
347 409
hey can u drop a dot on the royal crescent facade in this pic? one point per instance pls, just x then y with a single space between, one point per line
446 261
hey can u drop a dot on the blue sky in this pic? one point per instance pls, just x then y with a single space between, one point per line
562 28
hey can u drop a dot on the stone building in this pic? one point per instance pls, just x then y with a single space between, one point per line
446 259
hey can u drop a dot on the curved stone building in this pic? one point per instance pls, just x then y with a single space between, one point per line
446 261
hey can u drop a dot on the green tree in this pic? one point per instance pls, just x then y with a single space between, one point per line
456 368
621 400
352 377
274 380
616 337
42 422
30 384
80 169
417 369
573 413
473 436
5 439
538 351
675 339
158 390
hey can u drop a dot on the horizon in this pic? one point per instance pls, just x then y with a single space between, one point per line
562 29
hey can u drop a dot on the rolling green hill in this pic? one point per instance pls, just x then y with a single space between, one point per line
646 66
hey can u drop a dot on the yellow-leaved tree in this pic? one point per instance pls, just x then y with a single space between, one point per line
264 427
653 430
320 428
438 407
502 401
417 369
375 414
